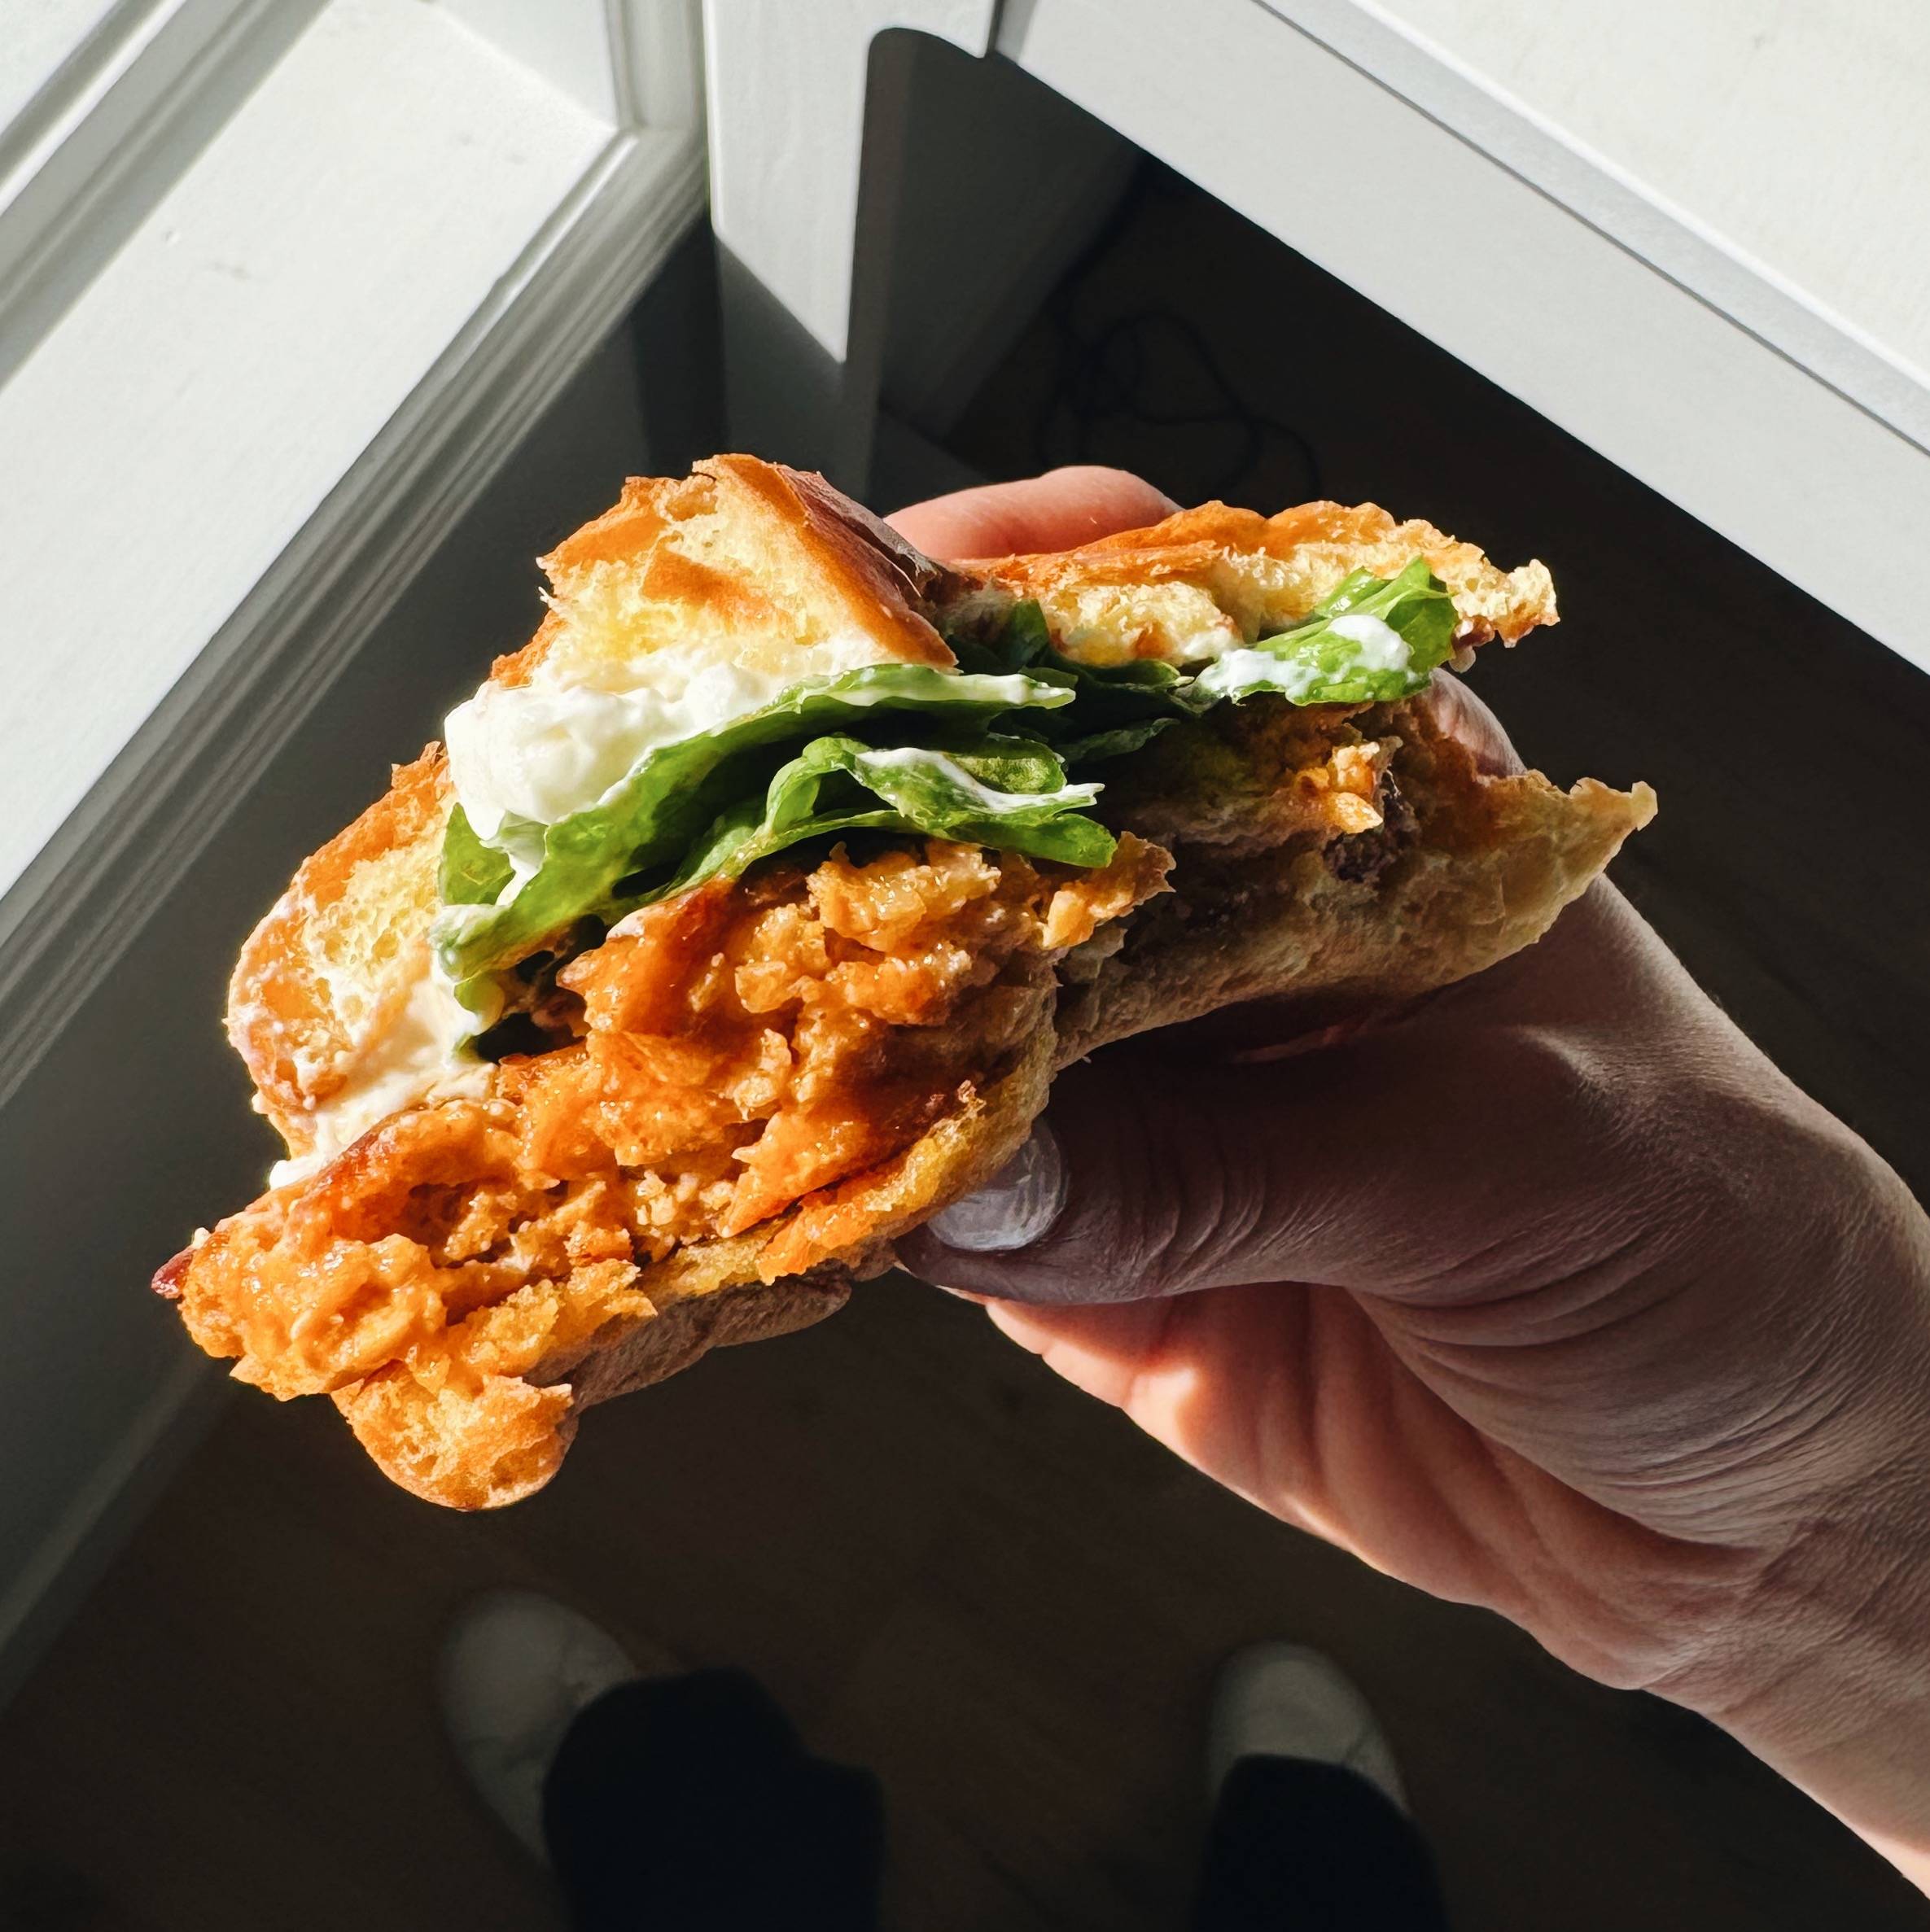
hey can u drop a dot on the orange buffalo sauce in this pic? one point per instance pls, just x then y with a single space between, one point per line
806 1025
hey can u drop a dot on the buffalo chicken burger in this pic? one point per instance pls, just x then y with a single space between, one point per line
742 919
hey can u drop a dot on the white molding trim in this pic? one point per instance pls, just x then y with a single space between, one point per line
657 49
786 90
1754 296
804 153
1659 377
82 899
106 140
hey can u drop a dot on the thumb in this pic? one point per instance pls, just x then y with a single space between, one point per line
1417 1161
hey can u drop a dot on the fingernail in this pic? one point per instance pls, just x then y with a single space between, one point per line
1015 1208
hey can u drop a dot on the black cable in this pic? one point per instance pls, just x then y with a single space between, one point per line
1101 373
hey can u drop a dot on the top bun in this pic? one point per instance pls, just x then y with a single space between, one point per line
742 562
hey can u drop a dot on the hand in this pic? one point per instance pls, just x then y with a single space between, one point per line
1551 1295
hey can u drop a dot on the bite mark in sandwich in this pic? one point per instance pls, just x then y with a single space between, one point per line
752 904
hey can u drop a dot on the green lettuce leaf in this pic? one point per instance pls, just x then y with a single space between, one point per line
1322 659
1115 708
838 785
651 818
1373 639
471 873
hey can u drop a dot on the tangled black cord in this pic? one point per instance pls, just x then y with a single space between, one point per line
1101 373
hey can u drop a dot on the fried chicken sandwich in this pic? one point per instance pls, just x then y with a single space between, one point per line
742 918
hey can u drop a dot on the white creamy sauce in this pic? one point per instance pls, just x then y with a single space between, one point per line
411 1060
1377 646
1382 648
1248 670
1203 645
983 795
542 750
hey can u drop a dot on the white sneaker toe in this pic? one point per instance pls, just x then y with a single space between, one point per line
516 1670
1286 1701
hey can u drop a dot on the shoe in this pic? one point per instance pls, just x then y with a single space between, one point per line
1285 1701
516 1670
